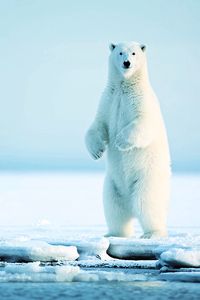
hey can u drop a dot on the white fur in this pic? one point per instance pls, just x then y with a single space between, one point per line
129 125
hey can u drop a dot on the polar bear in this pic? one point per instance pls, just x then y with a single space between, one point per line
129 126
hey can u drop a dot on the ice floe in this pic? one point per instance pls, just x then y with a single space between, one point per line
46 254
26 251
89 248
33 272
181 257
129 248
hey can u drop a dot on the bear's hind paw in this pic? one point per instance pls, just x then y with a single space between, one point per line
154 235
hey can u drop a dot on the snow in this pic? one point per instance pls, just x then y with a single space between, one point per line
41 198
16 251
57 198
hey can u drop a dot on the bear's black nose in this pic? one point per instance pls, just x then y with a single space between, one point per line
127 63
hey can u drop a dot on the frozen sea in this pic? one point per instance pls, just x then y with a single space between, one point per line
52 244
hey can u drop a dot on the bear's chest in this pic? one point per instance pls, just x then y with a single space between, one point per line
122 112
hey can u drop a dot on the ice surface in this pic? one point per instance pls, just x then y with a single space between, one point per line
181 276
181 257
116 263
33 272
46 201
17 251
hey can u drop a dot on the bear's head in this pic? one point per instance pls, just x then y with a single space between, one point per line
127 58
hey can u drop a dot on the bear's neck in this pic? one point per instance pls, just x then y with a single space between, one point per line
138 82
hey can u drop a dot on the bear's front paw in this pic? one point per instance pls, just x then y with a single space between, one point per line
96 151
98 154
96 147
122 144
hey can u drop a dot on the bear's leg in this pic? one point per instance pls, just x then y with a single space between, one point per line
118 211
151 205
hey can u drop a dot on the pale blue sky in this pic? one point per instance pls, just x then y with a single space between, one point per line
53 67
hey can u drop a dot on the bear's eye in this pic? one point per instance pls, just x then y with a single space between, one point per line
120 53
133 53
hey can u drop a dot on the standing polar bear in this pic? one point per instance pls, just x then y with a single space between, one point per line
129 125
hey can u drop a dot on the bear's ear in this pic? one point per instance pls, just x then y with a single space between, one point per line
112 47
143 47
